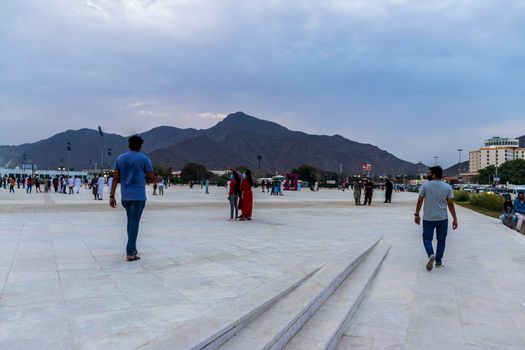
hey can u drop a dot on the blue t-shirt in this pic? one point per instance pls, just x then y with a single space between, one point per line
519 207
436 193
133 167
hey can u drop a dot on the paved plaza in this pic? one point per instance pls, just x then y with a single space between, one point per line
65 283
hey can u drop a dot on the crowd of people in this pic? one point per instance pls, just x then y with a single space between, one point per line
365 186
513 213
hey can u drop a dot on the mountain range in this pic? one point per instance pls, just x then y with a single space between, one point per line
235 141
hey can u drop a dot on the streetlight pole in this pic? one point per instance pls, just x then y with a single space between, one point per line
259 157
459 165
101 150
109 157
68 149
436 160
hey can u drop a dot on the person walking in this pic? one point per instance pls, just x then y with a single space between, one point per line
233 195
437 196
100 186
94 187
357 192
12 185
161 186
131 170
369 191
29 186
247 196
78 184
389 187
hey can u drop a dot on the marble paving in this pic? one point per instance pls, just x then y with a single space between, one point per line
65 284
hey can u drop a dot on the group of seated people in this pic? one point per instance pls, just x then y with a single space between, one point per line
514 213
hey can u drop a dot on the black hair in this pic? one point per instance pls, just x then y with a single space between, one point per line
521 192
437 171
249 177
135 143
237 182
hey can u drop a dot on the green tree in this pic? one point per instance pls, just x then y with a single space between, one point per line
308 173
513 171
195 172
486 175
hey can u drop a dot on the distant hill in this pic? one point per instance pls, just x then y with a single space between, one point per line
235 141
522 141
453 170
239 139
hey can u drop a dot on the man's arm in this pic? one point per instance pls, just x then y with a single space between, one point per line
452 208
417 218
116 180
150 175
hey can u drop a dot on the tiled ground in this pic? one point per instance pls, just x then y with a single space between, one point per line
65 284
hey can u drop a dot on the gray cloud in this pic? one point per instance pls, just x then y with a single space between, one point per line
415 78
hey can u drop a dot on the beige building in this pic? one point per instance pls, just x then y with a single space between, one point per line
497 150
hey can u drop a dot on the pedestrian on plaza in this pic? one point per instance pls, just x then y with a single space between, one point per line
437 196
94 187
55 184
369 191
389 187
100 187
155 185
161 186
71 184
18 182
234 193
131 170
29 185
78 184
357 192
12 185
519 209
110 182
247 196
37 185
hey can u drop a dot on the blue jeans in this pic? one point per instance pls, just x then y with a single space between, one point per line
505 219
134 212
441 228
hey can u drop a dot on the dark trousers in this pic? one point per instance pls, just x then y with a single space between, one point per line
388 197
134 212
441 228
368 198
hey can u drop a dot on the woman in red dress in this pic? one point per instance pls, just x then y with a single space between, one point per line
247 196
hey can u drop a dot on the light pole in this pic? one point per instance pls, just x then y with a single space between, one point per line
109 157
459 166
101 150
259 157
68 149
436 160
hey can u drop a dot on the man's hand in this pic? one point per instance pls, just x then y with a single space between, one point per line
455 224
112 203
417 220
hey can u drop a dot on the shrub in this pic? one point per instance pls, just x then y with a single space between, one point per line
487 201
461 196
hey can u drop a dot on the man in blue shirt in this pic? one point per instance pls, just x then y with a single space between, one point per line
437 196
519 209
131 170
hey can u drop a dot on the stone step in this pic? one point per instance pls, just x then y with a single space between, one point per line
324 330
221 323
273 329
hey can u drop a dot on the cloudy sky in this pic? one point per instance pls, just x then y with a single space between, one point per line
417 78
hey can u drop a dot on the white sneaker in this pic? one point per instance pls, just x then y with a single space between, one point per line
430 263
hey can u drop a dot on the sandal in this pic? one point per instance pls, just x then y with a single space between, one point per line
132 258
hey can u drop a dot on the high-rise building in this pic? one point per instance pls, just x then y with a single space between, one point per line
497 150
